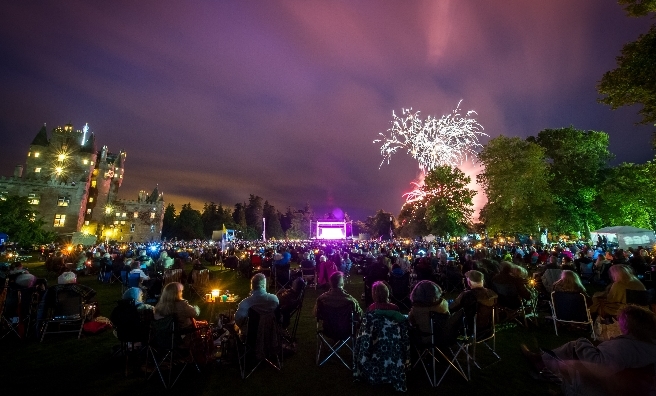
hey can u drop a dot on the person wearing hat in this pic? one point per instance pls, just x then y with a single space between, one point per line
477 293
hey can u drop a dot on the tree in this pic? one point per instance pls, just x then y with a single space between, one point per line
634 79
189 223
168 223
626 196
380 225
638 8
239 216
577 160
448 201
516 181
21 223
254 214
273 226
211 219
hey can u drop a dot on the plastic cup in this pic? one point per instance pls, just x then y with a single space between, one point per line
224 298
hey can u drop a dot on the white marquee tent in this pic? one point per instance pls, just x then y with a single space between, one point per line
626 236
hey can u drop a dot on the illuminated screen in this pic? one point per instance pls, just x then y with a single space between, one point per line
331 233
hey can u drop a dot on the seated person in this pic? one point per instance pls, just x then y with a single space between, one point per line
66 281
477 294
601 368
164 262
610 301
288 299
426 297
172 303
381 305
325 270
512 275
258 298
424 270
337 297
136 294
135 268
20 276
569 282
346 265
145 261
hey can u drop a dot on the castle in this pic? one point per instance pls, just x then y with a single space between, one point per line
74 188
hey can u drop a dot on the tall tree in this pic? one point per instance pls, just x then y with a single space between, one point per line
577 160
273 226
516 180
168 223
21 223
254 214
380 225
448 201
189 223
211 219
239 216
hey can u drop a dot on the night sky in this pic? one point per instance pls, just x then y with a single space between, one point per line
216 100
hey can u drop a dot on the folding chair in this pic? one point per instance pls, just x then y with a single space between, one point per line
335 329
262 343
132 328
14 318
166 352
400 291
294 314
199 283
309 276
107 275
281 276
382 351
69 310
171 275
570 307
483 331
446 334
587 272
512 304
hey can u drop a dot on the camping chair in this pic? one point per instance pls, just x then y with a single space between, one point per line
69 310
262 342
107 275
400 291
171 275
199 283
446 333
335 329
512 304
309 276
15 312
570 307
166 351
382 351
587 272
132 328
289 331
481 330
281 276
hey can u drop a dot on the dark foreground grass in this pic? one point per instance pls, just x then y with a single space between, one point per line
66 365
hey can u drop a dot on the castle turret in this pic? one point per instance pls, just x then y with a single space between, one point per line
41 138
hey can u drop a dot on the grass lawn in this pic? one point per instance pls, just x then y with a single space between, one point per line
76 367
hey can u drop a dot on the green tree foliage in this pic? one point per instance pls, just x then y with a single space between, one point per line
448 201
638 8
273 226
211 219
627 196
20 222
576 160
379 225
168 223
634 79
295 225
239 216
189 224
516 182
254 214
412 221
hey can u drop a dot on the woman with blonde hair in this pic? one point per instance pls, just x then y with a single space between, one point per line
613 299
569 282
172 303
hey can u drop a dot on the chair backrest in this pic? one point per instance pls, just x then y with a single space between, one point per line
484 320
400 285
445 328
134 280
200 277
162 333
337 322
638 297
127 321
68 305
587 268
569 306
508 295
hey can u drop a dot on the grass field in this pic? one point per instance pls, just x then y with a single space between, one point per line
65 364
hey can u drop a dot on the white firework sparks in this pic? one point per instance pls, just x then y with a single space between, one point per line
449 140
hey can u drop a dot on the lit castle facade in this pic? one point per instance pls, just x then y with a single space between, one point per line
74 188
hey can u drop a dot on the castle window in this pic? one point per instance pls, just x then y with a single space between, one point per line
90 199
63 201
152 215
37 170
60 219
3 195
115 221
88 211
33 199
36 155
93 183
152 228
122 222
86 222
136 214
85 161
124 214
132 227
91 162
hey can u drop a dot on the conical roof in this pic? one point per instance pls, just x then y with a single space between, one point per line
41 138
